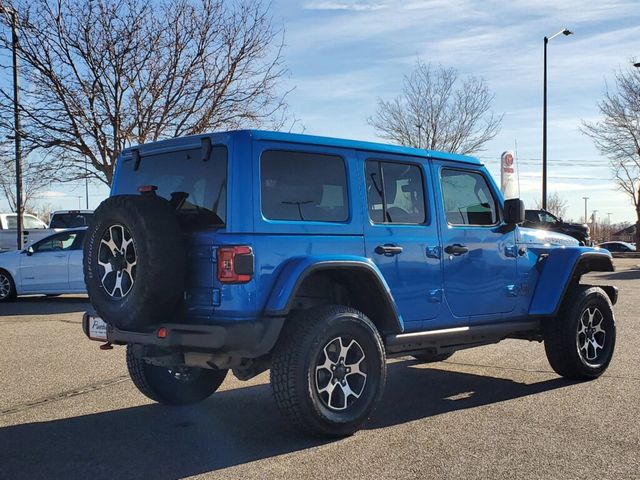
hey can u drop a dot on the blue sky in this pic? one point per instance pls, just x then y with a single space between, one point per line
342 55
345 54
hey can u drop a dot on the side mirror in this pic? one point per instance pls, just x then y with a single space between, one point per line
30 251
513 211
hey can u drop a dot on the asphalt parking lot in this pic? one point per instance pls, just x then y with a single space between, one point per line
68 410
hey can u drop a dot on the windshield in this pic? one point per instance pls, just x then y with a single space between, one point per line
197 186
70 220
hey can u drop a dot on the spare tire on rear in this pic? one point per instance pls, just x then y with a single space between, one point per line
134 261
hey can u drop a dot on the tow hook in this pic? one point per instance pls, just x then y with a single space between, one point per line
106 346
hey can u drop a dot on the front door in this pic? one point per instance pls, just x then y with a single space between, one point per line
401 235
46 268
479 254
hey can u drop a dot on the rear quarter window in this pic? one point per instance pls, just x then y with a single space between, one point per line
299 186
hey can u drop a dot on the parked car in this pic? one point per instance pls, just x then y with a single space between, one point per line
318 258
50 266
544 220
70 218
618 247
33 230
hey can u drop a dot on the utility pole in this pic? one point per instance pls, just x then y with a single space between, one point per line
585 209
17 135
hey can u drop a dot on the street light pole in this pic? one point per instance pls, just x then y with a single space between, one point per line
544 118
585 208
419 126
544 129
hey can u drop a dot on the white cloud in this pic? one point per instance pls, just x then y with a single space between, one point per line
52 194
352 6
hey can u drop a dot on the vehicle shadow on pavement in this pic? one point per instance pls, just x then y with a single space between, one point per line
631 274
233 427
42 305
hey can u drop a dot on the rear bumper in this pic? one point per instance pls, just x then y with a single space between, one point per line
246 339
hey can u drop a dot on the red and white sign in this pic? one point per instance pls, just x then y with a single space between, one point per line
508 180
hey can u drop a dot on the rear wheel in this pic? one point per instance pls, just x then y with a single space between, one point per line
580 342
173 386
7 287
328 370
432 357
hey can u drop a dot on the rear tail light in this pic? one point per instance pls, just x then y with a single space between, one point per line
235 264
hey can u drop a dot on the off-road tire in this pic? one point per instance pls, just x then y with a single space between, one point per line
7 282
158 286
161 385
432 357
561 339
304 338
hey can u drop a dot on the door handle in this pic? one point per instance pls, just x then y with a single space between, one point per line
388 250
456 249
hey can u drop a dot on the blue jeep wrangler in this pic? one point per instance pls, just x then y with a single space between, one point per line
318 258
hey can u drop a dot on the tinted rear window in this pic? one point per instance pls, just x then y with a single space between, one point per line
70 220
203 180
303 187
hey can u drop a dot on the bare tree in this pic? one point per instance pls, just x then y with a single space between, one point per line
43 211
437 112
105 74
617 135
555 204
36 176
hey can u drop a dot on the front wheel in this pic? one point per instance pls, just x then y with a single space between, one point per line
580 341
7 287
173 386
329 370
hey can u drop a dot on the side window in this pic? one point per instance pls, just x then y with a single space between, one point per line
467 198
31 223
395 192
302 186
58 243
28 222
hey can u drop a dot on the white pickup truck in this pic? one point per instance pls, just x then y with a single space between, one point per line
33 229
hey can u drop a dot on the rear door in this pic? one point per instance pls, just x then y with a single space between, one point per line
479 254
401 234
